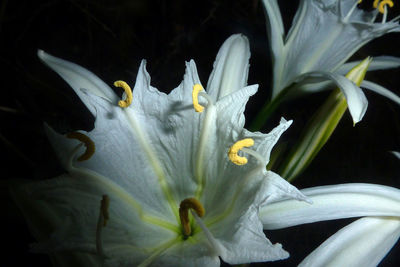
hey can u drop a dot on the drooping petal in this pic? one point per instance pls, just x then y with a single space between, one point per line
231 67
79 78
332 202
380 90
356 100
364 242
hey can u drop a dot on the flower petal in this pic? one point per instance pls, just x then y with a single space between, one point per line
78 200
275 27
364 242
231 67
332 202
396 154
377 63
356 100
380 90
79 78
41 218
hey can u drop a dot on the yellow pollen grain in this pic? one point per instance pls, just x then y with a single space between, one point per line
195 96
128 91
186 204
104 205
89 144
233 151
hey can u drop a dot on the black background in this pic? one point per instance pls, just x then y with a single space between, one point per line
111 37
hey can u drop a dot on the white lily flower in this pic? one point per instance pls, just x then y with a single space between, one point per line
161 181
362 243
323 36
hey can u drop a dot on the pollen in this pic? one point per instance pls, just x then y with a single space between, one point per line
128 91
104 205
186 204
195 96
233 151
381 5
89 144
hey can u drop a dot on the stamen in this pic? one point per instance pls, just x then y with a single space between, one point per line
89 144
102 222
233 151
195 96
382 4
345 19
215 246
104 205
186 204
128 91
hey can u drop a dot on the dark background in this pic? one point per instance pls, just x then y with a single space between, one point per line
111 37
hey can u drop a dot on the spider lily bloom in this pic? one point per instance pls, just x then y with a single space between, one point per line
362 243
324 34
170 180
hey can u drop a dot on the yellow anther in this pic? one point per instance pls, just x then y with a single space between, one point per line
104 205
359 1
233 151
128 91
195 96
381 5
186 204
89 144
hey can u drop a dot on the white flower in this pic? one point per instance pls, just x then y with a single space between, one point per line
150 159
362 243
323 36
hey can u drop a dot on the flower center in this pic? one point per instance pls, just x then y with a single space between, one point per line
185 206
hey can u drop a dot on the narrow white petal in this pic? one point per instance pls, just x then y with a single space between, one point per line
380 90
356 100
377 63
364 242
275 27
231 67
276 32
79 78
332 202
